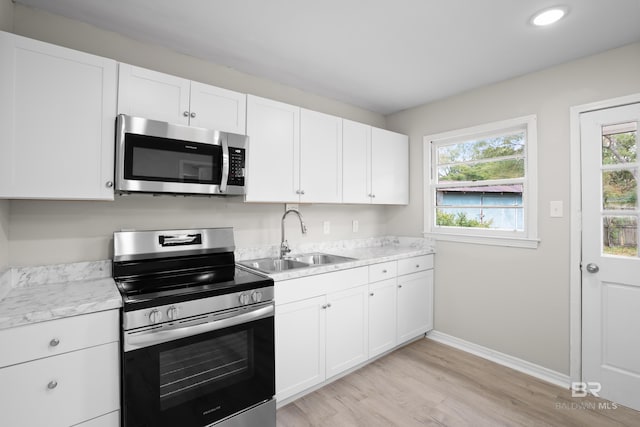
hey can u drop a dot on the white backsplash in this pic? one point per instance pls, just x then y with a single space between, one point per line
59 273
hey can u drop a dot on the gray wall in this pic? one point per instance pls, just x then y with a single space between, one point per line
45 232
6 15
514 301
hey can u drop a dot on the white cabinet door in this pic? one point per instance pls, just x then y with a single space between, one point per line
347 329
57 112
382 316
356 162
389 167
320 157
62 390
415 305
300 346
273 171
153 95
216 108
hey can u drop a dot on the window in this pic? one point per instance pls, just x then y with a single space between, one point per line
481 184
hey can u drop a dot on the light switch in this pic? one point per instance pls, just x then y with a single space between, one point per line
326 227
556 209
355 225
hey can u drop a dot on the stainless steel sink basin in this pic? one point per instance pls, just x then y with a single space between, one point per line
320 258
275 265
271 265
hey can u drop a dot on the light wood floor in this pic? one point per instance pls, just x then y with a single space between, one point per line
431 384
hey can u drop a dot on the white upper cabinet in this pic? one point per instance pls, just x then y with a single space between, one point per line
320 157
389 167
356 149
376 165
273 165
57 115
158 96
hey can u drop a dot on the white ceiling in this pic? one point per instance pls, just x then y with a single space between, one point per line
382 55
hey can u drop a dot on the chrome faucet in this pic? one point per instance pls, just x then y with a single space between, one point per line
284 245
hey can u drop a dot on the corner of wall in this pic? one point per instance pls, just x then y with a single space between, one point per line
4 234
6 15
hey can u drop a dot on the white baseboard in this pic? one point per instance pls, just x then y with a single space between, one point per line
523 366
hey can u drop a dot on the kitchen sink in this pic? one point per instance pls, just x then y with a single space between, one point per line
319 258
276 265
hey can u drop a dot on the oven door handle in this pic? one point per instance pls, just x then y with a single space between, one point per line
136 340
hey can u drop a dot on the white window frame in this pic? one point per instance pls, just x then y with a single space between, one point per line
524 239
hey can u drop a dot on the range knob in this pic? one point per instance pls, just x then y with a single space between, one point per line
256 296
244 298
172 312
155 316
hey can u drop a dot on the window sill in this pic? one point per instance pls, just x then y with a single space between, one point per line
513 242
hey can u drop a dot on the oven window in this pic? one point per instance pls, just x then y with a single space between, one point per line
185 372
161 159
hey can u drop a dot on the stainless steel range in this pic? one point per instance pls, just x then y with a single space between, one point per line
197 331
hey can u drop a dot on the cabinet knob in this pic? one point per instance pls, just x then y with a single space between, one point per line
186 114
193 115
373 195
54 342
417 265
109 184
371 294
399 286
301 191
384 271
52 384
324 306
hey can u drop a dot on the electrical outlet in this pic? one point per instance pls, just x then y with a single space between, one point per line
355 225
293 206
556 209
326 227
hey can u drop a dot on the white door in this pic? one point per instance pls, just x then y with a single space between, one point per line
389 167
347 325
153 95
356 162
273 172
382 316
415 299
610 262
320 157
300 346
217 108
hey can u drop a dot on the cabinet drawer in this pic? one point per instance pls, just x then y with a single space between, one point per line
64 390
415 264
320 284
38 340
383 271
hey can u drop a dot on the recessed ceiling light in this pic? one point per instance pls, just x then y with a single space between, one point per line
548 16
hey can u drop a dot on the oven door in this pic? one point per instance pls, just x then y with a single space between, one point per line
199 371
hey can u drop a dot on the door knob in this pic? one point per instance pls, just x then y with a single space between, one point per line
592 268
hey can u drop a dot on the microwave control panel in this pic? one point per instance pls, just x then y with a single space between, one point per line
236 166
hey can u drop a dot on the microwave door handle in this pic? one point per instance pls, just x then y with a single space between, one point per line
225 164
146 339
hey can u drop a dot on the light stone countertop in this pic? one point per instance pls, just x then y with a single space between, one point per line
365 251
38 294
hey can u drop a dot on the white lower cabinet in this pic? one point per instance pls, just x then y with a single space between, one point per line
329 323
300 346
382 316
346 330
77 385
415 302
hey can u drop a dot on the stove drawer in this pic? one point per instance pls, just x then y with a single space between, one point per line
63 390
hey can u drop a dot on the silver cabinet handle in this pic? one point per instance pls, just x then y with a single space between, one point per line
109 184
384 271
417 265
371 293
373 195
186 114
399 286
193 115
54 342
52 384
324 306
301 191
592 268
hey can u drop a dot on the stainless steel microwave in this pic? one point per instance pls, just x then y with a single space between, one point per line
159 157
